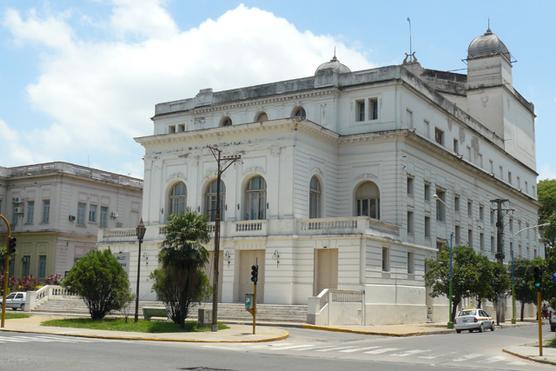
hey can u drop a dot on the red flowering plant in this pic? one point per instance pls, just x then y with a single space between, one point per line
53 279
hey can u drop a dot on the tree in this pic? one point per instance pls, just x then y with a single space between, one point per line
524 290
101 281
180 280
547 211
493 282
466 275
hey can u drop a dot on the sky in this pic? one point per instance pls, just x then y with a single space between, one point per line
80 79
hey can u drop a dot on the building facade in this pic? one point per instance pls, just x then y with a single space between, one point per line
348 180
56 209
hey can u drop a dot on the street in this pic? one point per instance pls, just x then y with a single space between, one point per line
303 350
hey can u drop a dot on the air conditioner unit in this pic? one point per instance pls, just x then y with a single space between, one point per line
18 210
71 218
114 215
17 200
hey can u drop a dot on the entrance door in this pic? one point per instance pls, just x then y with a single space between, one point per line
326 270
209 271
247 259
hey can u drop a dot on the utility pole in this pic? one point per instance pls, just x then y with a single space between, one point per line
9 248
223 163
500 303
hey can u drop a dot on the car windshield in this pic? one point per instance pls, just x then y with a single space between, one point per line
11 296
467 313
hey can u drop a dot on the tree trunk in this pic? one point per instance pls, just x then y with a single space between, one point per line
522 310
455 304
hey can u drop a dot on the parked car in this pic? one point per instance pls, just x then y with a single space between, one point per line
473 319
552 320
15 300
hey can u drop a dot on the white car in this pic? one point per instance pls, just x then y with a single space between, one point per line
473 319
15 300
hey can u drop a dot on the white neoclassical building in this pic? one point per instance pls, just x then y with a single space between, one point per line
348 180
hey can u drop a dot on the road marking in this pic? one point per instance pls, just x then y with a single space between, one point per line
333 349
380 351
357 349
468 357
430 357
495 359
517 363
295 347
410 352
13 339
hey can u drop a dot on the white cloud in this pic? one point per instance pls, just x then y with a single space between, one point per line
101 94
12 149
547 171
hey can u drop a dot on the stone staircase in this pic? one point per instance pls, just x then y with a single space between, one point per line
226 311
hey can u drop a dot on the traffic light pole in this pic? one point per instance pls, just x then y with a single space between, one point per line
254 306
6 268
539 319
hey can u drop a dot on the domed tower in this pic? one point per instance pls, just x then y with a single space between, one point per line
489 63
327 73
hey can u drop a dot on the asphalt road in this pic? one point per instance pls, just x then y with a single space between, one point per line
304 350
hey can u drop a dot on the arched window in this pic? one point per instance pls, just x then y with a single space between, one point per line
178 195
210 200
255 199
226 121
261 116
367 200
299 113
314 198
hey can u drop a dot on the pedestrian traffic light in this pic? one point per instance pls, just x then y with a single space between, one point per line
538 277
11 245
254 273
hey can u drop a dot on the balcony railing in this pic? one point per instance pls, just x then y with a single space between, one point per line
245 228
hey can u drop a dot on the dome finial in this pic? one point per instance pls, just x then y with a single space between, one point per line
488 31
334 59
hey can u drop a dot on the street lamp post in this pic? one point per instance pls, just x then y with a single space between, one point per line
140 232
513 268
450 324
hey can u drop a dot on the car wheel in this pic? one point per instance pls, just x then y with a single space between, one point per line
459 331
553 328
481 328
492 327
22 307
470 330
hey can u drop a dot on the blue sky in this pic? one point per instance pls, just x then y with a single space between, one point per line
79 79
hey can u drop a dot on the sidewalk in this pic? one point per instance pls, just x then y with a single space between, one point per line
531 352
235 334
400 330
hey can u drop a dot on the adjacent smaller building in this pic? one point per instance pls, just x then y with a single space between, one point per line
56 209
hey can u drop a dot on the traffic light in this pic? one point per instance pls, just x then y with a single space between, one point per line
254 274
11 245
538 277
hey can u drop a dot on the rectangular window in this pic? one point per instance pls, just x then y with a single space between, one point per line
181 128
103 217
519 228
92 213
410 227
491 167
30 212
492 246
427 128
491 217
481 213
468 153
385 259
519 183
511 224
501 171
360 110
526 187
427 191
45 211
427 227
171 129
470 237
481 160
81 207
410 186
42 266
439 136
457 233
509 177
456 203
25 265
410 263
409 118
481 242
373 108
440 205
456 146
469 208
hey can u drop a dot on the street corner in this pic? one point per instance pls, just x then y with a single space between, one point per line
384 330
531 353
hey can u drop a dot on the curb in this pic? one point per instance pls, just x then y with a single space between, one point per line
529 358
141 338
362 332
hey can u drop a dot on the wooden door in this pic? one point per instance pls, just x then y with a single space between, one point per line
326 269
247 259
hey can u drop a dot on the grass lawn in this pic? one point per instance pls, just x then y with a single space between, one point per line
119 324
552 343
13 315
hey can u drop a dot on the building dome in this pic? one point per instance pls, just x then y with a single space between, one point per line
487 45
333 65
